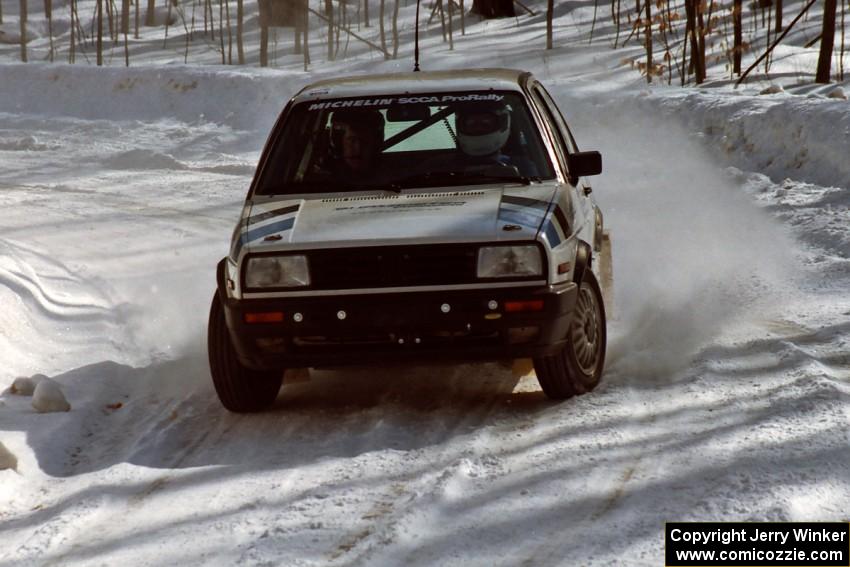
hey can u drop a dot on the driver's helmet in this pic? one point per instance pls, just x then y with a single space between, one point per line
366 121
482 127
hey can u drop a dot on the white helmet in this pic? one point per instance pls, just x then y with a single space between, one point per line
482 129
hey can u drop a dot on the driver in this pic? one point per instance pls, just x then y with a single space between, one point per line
483 130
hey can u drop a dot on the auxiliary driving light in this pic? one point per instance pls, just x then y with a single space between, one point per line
298 317
341 315
445 307
493 305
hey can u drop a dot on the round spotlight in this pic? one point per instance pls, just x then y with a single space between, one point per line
445 307
493 305
341 315
298 317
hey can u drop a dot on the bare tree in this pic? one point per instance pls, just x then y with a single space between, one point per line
697 62
48 13
649 63
827 41
737 49
150 15
240 16
550 9
99 33
395 29
72 48
125 29
24 31
381 26
329 11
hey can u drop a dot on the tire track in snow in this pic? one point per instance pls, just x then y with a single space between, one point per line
50 288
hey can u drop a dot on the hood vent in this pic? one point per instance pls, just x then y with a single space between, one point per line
446 194
365 198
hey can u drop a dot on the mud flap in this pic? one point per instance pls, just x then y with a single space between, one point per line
296 375
606 274
522 367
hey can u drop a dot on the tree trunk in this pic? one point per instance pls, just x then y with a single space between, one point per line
738 46
240 17
701 28
451 39
395 29
649 63
264 46
696 61
381 26
329 11
150 16
826 42
550 9
778 16
72 49
24 31
48 13
100 32
125 29
366 13
489 9
305 25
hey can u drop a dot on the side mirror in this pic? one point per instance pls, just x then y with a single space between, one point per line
582 164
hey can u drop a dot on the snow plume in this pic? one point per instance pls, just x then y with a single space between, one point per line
691 254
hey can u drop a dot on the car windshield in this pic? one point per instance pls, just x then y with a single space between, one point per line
398 142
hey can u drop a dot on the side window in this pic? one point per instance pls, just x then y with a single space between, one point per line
559 119
551 125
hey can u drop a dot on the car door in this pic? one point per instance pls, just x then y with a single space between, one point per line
580 191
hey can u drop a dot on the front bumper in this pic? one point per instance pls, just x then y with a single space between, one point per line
400 326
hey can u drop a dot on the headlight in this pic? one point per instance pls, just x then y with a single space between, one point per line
509 261
277 271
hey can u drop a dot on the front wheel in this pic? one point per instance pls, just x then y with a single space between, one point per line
577 368
240 389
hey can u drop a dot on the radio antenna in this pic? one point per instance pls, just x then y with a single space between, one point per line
416 41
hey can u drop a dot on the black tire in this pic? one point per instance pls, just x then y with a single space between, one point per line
240 389
577 369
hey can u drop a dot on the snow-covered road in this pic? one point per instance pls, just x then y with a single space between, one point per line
726 395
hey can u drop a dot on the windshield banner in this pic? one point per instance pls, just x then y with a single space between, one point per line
426 99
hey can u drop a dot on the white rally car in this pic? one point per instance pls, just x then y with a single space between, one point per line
416 216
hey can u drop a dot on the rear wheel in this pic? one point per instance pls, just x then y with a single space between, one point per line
577 368
240 389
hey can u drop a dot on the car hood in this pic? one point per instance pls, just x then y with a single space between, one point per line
472 214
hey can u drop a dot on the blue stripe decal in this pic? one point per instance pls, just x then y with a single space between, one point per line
552 235
285 224
269 214
516 217
526 202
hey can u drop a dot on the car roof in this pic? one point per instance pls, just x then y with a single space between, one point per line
414 82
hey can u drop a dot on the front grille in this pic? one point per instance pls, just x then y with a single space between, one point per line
396 266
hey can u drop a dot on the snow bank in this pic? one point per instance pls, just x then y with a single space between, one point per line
242 97
7 459
781 135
